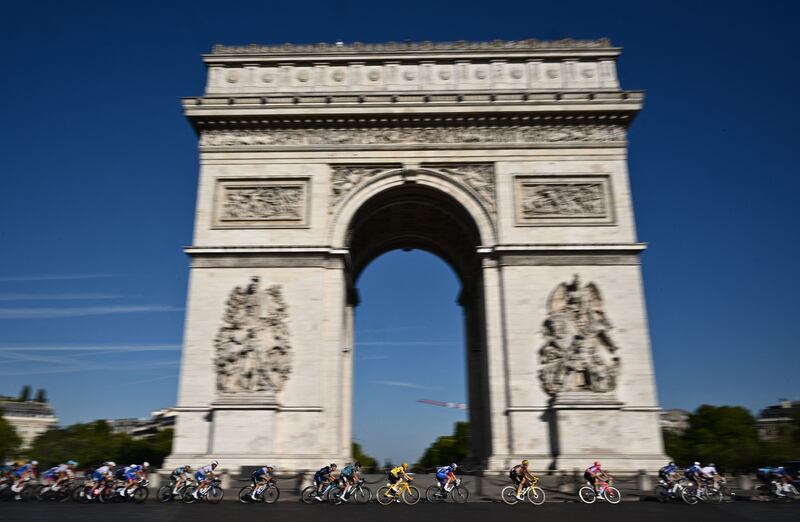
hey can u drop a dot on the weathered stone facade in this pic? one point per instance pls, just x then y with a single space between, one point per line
507 159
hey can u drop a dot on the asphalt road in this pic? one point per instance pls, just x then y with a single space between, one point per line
472 512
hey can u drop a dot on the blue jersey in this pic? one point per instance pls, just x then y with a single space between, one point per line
324 472
22 470
348 470
669 468
52 472
444 471
692 470
260 472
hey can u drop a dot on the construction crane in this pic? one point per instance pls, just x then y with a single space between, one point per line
441 404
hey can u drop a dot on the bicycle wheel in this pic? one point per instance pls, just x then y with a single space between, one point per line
459 494
434 494
271 494
140 494
728 495
308 494
188 495
714 495
215 494
335 495
688 495
386 496
361 495
165 493
661 493
612 495
509 495
536 496
244 494
411 495
587 495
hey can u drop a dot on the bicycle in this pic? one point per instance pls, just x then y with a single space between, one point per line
212 493
388 494
664 492
267 493
309 495
165 492
533 493
692 494
360 493
608 493
457 493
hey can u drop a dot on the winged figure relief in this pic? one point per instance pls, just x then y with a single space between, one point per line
578 353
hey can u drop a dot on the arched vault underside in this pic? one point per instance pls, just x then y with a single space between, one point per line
417 216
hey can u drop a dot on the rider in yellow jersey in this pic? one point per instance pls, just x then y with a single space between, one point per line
397 475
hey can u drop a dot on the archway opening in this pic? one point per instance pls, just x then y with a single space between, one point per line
412 217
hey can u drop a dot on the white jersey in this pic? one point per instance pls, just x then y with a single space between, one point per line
103 470
205 470
709 471
62 468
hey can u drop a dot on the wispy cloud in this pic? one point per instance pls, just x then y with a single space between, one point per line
57 297
120 348
52 313
56 277
403 384
373 358
82 367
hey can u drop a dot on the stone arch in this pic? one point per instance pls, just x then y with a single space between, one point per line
423 177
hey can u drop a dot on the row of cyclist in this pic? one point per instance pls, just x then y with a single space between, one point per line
775 479
57 477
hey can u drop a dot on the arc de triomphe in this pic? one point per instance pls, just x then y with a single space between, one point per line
507 159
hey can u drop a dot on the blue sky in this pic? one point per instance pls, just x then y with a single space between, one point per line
99 177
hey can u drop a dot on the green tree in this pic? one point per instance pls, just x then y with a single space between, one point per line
93 443
447 449
367 462
9 440
24 394
41 395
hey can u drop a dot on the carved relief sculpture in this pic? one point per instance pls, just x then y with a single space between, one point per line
262 203
578 353
564 199
253 352
346 177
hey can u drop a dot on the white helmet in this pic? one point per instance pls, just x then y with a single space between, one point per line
696 463
145 464
35 462
215 463
111 463
271 466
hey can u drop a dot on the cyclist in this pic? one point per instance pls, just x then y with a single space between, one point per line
521 477
693 473
99 477
446 475
397 476
708 474
323 477
595 474
132 474
669 474
783 482
180 476
351 475
260 477
23 473
204 475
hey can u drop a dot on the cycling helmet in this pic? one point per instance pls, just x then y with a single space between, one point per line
333 465
111 463
357 464
525 462
671 463
696 463
71 463
597 463
215 463
454 465
270 466
35 462
712 465
145 464
405 465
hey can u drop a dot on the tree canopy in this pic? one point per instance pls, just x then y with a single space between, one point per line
447 449
93 443
9 440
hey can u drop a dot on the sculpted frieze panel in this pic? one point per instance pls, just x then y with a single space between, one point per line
578 354
476 177
563 200
253 352
444 135
254 203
